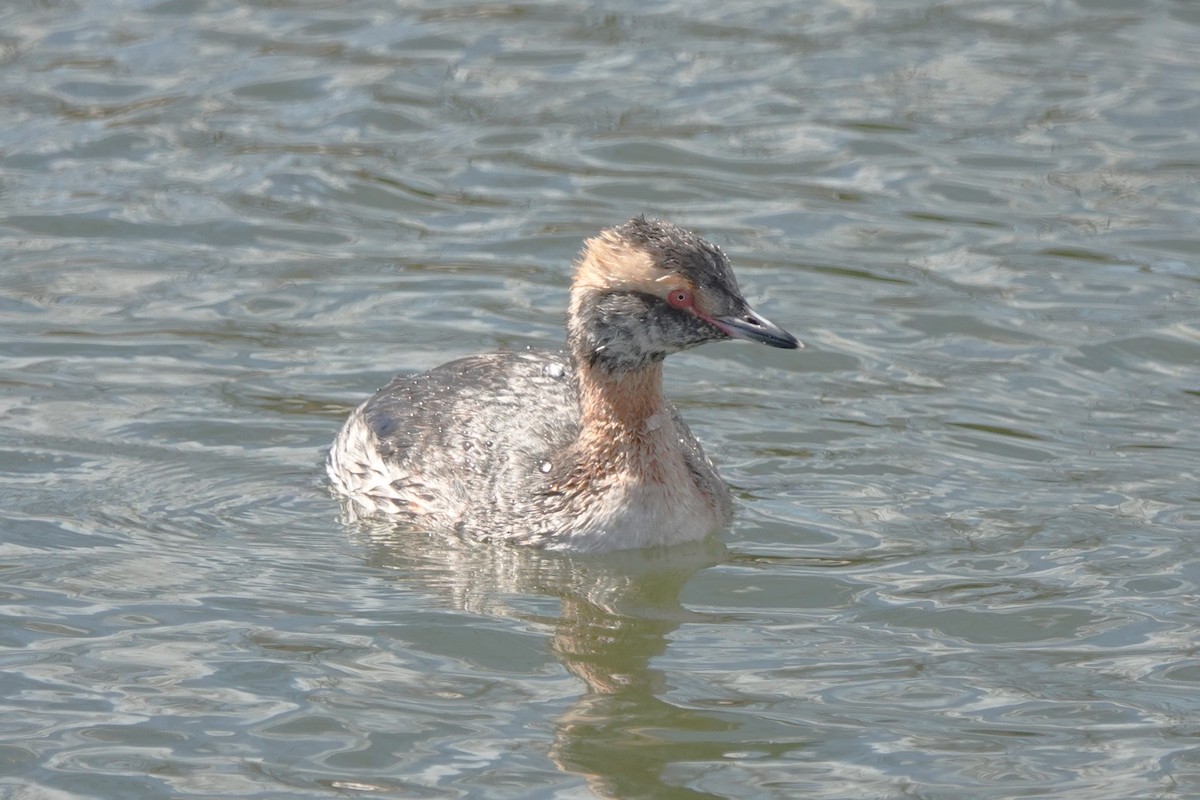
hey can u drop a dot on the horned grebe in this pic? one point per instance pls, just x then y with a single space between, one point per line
568 450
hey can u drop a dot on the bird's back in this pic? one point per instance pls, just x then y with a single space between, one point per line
469 434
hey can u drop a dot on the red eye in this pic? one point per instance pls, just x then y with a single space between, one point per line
679 298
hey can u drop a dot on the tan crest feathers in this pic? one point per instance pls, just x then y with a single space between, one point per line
611 262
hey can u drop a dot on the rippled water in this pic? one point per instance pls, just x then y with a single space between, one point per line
967 554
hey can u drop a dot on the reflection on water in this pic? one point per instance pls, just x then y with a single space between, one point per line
614 614
965 560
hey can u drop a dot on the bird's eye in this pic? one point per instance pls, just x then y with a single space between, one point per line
679 298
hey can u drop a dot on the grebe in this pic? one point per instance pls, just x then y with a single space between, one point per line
569 450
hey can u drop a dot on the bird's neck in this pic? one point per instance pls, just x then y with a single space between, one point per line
625 404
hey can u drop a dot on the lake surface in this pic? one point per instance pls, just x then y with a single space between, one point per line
966 558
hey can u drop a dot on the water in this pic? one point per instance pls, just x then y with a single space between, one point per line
966 558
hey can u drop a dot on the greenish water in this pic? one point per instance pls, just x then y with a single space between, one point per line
966 558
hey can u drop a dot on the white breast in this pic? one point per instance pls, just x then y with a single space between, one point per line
657 507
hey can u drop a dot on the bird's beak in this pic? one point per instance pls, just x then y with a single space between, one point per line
755 328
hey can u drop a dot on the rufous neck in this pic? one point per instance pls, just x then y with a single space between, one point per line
625 401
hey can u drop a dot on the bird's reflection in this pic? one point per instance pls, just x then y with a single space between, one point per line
616 613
